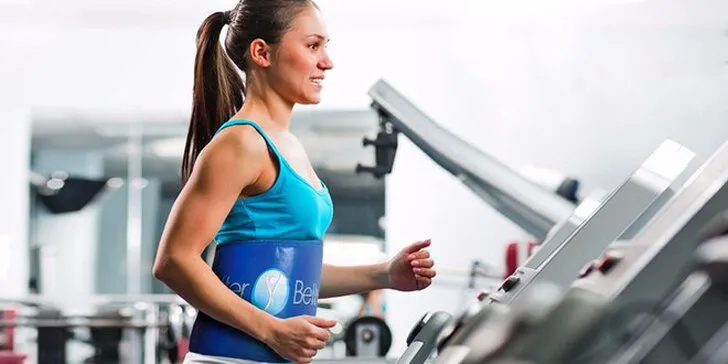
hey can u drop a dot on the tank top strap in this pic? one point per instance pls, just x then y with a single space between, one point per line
257 127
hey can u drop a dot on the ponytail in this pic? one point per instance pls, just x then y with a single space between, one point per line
217 94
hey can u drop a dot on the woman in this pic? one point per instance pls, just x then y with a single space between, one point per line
249 186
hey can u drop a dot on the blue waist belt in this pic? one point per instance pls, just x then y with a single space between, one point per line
278 276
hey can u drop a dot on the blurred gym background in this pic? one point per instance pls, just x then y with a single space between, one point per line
95 99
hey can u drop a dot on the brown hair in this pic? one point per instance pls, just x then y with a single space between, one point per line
219 90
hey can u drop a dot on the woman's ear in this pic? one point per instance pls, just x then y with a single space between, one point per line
260 53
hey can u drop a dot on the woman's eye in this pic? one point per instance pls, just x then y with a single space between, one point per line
314 46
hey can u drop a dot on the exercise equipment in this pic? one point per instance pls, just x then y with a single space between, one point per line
648 268
422 340
642 272
623 212
530 206
491 328
714 351
538 211
543 214
560 234
518 253
9 357
553 180
694 313
7 334
61 193
55 326
619 216
367 337
385 151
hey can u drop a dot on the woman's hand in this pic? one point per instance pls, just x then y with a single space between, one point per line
298 339
412 268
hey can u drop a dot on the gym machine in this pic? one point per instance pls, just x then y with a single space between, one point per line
536 210
620 215
646 270
110 320
525 203
642 272
694 313
422 340
367 337
490 329
715 351
541 213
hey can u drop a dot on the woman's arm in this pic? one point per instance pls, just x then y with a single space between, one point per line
341 281
216 182
411 269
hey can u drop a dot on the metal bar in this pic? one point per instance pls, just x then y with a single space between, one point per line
134 231
151 335
96 299
134 211
526 204
136 323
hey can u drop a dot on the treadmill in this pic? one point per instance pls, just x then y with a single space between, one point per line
715 351
541 213
694 314
589 323
645 271
620 216
626 210
623 212
537 211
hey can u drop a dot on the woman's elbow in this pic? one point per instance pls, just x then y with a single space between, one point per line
158 269
163 266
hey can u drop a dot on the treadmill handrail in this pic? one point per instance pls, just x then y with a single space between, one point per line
528 205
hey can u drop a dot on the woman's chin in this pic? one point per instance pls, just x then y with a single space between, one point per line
310 100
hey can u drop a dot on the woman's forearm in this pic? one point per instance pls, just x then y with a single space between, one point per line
195 282
341 281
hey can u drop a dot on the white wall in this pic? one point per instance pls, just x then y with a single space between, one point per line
14 200
14 149
125 70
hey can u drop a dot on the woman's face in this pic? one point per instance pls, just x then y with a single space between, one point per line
301 59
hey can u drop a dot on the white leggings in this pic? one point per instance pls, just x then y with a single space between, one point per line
194 358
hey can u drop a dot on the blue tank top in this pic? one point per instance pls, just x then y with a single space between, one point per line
292 209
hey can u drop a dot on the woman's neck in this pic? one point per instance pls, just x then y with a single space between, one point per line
266 108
